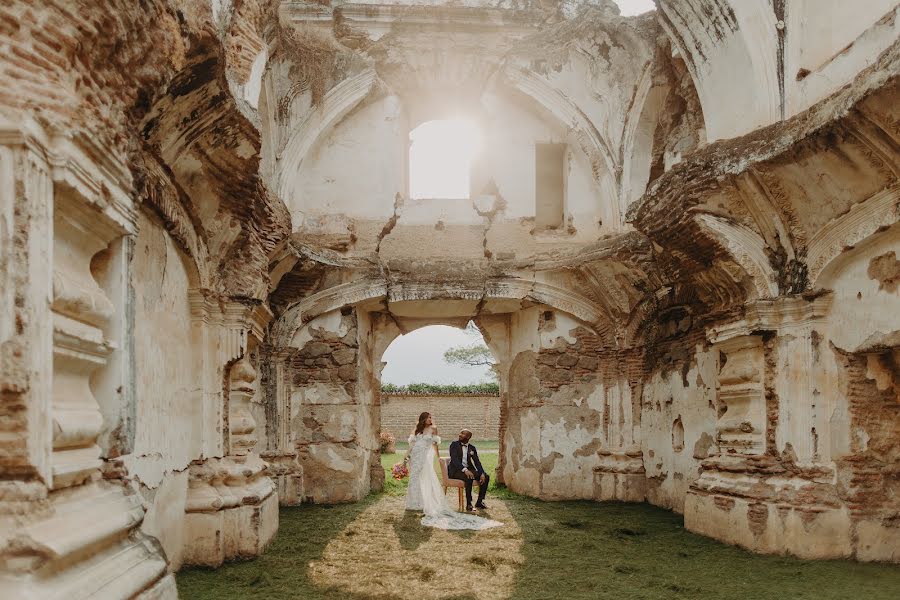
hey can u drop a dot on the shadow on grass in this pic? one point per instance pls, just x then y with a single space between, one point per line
589 550
570 550
282 572
410 532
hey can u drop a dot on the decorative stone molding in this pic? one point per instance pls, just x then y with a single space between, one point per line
861 222
620 476
237 321
231 509
348 294
82 311
84 539
241 425
26 209
741 426
748 250
337 103
773 315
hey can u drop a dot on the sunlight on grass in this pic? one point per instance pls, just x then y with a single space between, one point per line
385 552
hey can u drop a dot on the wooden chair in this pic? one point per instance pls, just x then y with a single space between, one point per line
447 482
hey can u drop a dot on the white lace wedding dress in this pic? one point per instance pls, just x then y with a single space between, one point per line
425 492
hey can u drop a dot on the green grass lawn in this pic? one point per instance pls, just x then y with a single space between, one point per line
563 550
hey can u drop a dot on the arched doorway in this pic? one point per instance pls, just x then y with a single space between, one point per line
449 372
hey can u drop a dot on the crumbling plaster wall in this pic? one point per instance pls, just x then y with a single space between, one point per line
859 386
560 406
678 419
333 424
808 465
757 63
168 430
828 42
575 80
502 186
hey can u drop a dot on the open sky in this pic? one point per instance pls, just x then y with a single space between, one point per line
418 357
634 7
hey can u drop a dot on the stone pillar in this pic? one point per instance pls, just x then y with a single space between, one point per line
334 425
279 450
768 487
620 474
741 426
231 509
76 525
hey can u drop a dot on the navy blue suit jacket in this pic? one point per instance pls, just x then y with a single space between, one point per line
456 465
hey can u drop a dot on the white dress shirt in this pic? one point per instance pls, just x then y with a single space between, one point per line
465 457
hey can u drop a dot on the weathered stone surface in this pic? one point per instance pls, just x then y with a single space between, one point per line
696 305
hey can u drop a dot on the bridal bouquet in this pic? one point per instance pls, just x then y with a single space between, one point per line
399 471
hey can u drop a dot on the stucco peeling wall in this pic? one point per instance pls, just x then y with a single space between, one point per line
333 429
167 402
556 412
678 424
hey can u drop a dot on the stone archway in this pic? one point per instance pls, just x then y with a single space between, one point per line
568 406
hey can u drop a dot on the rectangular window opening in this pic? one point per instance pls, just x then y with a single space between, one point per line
550 185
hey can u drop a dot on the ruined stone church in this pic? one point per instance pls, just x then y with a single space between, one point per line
679 239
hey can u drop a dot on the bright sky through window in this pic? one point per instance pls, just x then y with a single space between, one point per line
440 157
635 7
418 357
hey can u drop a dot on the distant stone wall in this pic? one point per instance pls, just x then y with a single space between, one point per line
478 413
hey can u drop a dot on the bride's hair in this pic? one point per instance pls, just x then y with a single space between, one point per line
420 426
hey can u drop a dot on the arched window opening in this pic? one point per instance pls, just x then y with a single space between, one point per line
441 154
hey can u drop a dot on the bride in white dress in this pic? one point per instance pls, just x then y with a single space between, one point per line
424 492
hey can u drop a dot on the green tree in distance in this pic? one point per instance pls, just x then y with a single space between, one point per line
474 355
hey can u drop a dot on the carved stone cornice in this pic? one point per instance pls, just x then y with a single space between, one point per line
773 315
237 319
863 220
80 166
348 294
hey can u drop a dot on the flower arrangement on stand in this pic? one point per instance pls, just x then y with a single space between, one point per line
388 442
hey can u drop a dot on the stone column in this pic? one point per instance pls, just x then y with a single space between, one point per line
620 474
767 488
79 534
232 509
279 450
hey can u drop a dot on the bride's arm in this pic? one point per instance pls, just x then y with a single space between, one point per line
409 447
437 442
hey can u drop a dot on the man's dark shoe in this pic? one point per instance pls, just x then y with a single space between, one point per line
482 506
469 508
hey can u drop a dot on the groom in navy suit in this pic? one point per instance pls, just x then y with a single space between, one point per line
464 465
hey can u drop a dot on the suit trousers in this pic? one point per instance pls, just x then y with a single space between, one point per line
482 489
